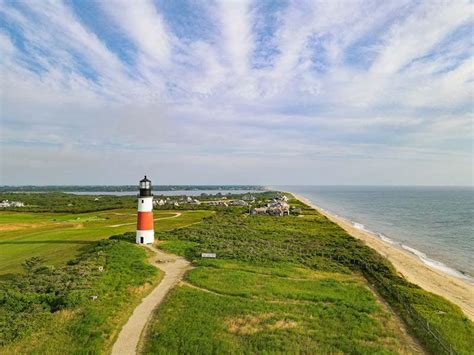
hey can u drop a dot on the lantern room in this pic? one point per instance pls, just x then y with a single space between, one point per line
145 187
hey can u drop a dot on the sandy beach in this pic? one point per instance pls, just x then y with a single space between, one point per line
456 290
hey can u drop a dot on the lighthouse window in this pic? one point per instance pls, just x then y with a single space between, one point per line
143 201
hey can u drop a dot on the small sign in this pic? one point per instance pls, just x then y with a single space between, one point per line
208 255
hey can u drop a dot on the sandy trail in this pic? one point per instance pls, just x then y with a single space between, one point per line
456 290
174 268
177 214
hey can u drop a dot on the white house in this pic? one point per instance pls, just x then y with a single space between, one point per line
6 204
239 203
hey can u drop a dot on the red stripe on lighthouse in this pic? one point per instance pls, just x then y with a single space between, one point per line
145 221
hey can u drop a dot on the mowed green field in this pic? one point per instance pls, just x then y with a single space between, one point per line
59 237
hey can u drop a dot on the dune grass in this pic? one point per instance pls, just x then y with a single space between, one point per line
229 307
257 250
51 310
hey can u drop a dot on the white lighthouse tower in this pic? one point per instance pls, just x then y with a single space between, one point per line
145 232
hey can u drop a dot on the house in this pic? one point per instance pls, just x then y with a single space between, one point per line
217 203
239 203
6 204
158 202
279 208
296 211
248 198
195 202
259 210
280 198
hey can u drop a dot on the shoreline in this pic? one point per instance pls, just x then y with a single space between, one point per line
454 289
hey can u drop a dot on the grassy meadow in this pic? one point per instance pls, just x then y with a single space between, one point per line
65 287
239 307
70 278
58 237
293 284
75 308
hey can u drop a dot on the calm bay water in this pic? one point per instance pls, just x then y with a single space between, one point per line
434 223
166 192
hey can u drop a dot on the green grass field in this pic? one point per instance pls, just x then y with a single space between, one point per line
58 237
278 285
237 307
49 310
292 285
45 303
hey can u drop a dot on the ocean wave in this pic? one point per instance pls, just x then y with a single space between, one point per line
414 251
438 265
421 256
386 239
359 226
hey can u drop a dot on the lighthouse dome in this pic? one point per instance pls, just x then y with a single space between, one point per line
145 187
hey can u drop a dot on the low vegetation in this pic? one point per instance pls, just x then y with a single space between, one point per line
79 306
60 202
290 284
68 203
263 246
230 307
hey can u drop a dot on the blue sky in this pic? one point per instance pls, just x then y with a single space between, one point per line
265 92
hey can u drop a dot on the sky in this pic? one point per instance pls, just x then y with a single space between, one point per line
236 92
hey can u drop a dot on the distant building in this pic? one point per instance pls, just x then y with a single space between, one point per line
279 208
296 211
239 203
6 204
248 198
259 210
274 208
218 203
160 202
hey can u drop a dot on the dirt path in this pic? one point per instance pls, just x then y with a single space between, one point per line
177 214
174 268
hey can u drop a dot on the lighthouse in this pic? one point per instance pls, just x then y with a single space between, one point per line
145 232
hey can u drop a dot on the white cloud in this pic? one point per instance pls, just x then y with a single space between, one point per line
203 101
424 28
236 28
141 21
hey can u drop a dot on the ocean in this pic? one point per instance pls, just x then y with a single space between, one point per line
436 224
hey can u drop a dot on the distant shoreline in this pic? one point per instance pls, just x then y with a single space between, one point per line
124 188
456 289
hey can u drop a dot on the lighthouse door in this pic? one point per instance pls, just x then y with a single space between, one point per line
141 240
